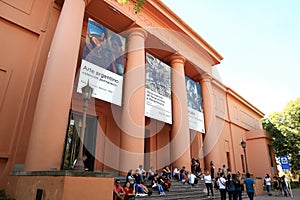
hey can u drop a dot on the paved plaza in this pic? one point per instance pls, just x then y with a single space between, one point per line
296 194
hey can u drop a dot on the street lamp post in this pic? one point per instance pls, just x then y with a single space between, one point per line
87 92
243 143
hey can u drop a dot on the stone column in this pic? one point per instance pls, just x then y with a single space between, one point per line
210 137
196 144
180 134
133 107
47 138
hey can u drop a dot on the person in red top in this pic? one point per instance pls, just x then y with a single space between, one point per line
129 191
118 190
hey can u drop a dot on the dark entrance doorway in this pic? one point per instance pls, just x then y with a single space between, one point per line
147 149
72 140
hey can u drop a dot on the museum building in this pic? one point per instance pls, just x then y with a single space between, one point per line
123 88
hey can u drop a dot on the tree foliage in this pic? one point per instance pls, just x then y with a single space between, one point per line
138 4
284 128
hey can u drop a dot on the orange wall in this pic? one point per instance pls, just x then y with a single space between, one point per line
26 33
64 187
91 188
259 159
238 120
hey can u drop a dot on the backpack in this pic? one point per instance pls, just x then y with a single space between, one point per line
216 185
230 186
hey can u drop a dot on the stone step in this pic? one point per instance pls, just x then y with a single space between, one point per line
168 196
181 191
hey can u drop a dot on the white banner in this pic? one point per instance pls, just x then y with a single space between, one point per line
103 63
158 90
195 107
106 84
196 120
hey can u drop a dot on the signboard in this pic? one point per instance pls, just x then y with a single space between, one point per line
158 90
103 63
284 161
195 106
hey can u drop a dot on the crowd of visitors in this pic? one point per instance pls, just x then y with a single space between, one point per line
280 185
140 182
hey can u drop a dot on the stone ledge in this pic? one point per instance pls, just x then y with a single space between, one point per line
63 173
62 185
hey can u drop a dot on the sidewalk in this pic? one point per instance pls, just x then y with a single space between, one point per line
296 194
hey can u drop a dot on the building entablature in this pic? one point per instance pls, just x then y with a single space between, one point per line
220 86
167 33
245 102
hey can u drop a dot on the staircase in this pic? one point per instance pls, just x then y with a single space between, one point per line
181 191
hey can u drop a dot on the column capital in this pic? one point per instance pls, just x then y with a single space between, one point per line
176 59
136 31
205 77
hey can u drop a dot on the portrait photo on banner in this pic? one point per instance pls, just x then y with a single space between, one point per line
103 64
195 106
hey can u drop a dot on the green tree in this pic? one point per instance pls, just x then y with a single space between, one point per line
284 128
138 4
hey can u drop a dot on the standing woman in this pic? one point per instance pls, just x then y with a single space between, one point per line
267 182
212 170
222 186
208 183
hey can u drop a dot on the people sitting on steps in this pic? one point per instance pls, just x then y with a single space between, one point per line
157 183
118 191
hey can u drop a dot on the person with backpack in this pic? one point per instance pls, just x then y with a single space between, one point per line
239 187
222 186
230 185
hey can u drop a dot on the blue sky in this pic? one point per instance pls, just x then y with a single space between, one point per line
260 43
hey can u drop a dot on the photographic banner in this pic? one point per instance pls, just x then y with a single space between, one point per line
195 107
103 63
158 90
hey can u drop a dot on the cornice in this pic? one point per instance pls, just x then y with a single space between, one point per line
244 101
219 84
178 22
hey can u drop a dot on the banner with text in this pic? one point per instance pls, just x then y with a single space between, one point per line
195 107
158 90
103 63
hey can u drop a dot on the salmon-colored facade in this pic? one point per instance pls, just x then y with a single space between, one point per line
42 46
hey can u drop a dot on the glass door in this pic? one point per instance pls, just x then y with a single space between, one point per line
72 140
